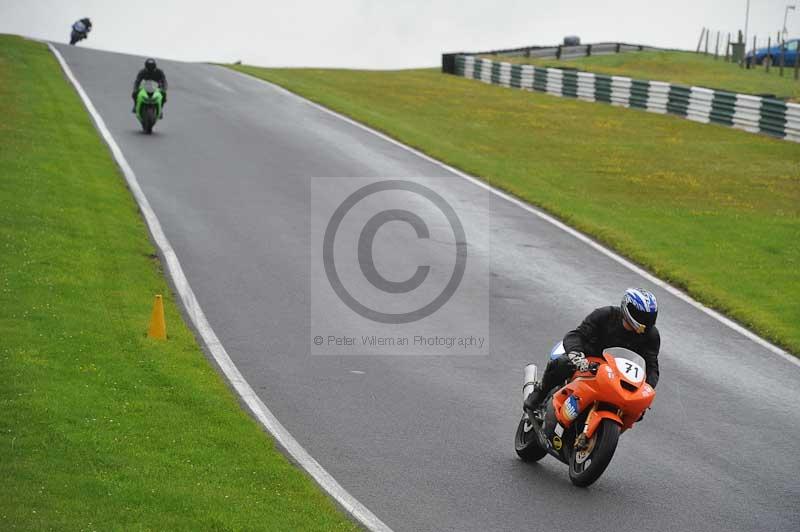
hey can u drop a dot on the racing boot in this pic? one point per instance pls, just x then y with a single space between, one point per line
553 375
534 399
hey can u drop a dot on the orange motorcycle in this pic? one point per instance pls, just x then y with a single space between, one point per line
580 423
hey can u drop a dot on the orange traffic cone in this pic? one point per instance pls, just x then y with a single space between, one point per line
158 327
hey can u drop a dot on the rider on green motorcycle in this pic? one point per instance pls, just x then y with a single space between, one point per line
152 72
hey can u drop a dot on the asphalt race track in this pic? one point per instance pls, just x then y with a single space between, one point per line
426 442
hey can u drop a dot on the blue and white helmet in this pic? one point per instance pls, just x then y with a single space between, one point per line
639 309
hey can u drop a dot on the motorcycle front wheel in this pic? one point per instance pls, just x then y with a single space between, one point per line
526 442
586 467
148 119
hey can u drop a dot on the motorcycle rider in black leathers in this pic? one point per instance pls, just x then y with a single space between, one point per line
152 72
87 25
631 325
80 30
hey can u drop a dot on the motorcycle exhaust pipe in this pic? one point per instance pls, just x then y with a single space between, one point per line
529 382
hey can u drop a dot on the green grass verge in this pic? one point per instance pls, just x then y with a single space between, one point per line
684 68
101 428
708 208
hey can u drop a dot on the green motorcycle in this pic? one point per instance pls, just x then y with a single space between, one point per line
149 102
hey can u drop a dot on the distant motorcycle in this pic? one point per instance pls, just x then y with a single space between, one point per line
149 102
580 423
79 32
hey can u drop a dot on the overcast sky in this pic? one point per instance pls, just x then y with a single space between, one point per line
372 34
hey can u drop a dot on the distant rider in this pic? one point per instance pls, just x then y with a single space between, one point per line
631 325
80 29
151 72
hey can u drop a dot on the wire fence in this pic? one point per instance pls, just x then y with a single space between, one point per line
777 54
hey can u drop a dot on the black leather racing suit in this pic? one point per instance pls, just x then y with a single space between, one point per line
601 330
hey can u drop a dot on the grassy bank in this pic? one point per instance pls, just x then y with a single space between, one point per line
681 67
101 428
711 209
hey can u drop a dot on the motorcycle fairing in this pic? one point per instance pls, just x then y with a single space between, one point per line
623 397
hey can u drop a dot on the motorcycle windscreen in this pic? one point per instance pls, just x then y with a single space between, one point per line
629 364
149 85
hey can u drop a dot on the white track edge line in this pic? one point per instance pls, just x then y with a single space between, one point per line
548 218
214 346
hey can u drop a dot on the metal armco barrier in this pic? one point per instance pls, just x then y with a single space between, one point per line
569 52
743 111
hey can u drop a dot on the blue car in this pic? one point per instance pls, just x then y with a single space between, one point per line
774 54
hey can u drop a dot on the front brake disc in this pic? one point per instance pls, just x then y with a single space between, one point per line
584 448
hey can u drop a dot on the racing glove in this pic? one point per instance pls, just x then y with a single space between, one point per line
578 360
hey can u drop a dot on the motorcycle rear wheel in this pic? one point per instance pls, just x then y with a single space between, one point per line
585 473
527 443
